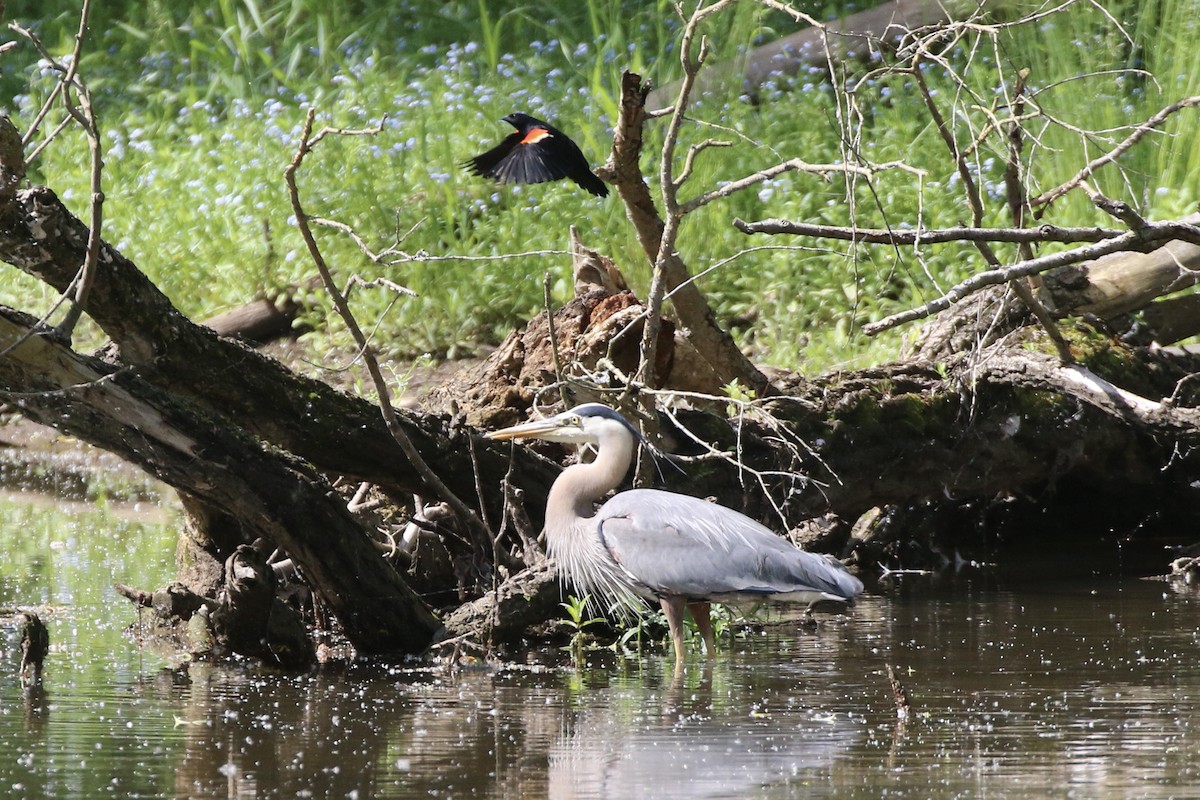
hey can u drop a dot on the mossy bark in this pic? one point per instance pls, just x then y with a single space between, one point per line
272 494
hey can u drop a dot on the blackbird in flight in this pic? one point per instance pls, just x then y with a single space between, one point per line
536 153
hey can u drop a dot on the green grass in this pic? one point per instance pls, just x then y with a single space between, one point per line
201 108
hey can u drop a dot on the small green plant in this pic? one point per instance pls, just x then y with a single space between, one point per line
638 631
739 394
722 620
577 622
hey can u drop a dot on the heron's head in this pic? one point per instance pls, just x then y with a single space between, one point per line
584 424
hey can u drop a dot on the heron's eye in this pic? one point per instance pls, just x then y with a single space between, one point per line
576 421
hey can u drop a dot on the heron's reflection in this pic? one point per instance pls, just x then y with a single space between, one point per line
683 747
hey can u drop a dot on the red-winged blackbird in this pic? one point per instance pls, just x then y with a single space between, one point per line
536 153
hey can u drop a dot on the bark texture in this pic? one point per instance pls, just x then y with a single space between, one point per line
272 494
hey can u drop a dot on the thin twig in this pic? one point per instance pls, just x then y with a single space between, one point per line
1112 155
554 354
1038 235
689 161
1154 231
378 283
792 165
1018 204
307 141
85 116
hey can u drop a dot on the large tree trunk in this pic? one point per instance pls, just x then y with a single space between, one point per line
272 494
338 433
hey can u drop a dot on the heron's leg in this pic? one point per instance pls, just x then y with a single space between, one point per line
674 608
702 613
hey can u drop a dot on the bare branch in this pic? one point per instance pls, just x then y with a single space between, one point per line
792 165
481 535
1154 231
1038 235
690 160
82 113
670 188
1115 208
379 283
1112 155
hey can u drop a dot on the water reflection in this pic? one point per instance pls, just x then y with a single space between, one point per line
694 755
1092 691
522 733
1045 689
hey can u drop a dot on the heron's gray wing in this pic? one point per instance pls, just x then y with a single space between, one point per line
676 544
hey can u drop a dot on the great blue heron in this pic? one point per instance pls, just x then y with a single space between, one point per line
656 545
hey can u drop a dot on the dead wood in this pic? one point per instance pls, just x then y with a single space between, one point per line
600 328
35 645
251 620
505 615
855 37
1171 320
337 432
275 496
246 617
705 334
263 319
1122 282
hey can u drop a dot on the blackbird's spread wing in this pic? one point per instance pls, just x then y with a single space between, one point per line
541 154
518 161
485 164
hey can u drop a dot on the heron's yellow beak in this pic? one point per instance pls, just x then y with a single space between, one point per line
536 429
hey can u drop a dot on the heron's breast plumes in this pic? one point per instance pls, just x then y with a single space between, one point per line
585 564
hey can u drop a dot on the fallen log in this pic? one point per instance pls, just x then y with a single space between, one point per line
1119 283
262 319
855 37
272 494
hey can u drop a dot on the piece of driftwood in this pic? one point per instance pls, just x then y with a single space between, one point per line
1123 282
262 319
1172 319
855 37
250 618
35 645
247 617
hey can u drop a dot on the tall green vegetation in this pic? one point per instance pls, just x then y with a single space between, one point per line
201 106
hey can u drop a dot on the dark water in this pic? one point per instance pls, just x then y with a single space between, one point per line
1090 690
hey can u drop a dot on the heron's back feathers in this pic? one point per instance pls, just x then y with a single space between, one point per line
679 545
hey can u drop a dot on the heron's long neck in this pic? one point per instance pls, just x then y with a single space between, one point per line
575 491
